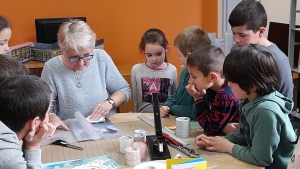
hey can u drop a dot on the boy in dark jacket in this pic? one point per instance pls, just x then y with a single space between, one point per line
215 103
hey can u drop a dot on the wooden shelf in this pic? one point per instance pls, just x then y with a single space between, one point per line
34 64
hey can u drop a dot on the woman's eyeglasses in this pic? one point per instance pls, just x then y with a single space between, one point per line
77 58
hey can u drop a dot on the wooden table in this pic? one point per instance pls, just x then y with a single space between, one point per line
127 123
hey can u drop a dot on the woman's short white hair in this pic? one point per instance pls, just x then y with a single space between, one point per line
75 35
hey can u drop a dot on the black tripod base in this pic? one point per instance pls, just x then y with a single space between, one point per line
154 153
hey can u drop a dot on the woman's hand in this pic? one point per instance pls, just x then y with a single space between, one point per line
53 119
101 110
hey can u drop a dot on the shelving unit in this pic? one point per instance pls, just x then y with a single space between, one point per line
291 53
293 29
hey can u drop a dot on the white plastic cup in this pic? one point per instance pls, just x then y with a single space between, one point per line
182 127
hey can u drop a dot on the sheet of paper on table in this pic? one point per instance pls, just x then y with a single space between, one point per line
82 130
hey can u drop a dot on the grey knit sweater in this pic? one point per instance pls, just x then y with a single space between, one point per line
99 79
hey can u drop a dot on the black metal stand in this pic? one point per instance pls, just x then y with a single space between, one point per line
154 152
157 146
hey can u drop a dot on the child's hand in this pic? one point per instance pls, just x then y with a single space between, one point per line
34 137
218 144
199 141
191 89
55 120
164 111
230 128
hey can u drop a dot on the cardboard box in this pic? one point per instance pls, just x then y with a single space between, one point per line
43 52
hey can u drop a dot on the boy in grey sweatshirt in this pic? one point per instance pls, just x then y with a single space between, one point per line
248 22
24 108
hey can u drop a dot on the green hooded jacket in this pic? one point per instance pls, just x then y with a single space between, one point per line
265 132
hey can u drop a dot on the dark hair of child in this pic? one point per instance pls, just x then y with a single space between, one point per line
154 36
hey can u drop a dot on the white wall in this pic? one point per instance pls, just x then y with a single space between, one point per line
224 9
277 11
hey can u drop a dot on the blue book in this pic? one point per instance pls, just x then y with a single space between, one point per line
99 162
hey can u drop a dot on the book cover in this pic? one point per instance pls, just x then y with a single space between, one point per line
194 160
107 129
194 164
99 162
170 162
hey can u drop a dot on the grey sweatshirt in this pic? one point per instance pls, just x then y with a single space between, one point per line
146 81
11 155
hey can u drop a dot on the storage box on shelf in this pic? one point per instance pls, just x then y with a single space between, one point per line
36 56
42 52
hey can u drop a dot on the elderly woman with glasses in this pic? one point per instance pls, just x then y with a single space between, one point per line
82 79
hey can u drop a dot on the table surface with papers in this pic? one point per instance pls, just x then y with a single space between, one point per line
127 123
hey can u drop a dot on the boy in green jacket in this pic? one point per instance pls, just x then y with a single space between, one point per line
265 132
180 103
